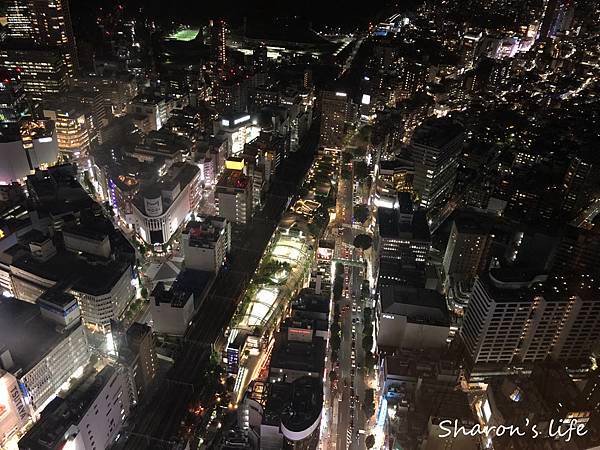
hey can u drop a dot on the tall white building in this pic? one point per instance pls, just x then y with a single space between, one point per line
206 242
14 412
43 347
90 418
234 196
515 319
26 147
151 112
238 130
102 290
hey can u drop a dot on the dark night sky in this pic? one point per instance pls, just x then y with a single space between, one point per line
317 11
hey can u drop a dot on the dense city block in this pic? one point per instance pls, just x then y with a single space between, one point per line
299 226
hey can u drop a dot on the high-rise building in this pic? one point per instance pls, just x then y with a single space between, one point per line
205 243
150 112
172 309
334 116
231 95
467 250
578 251
218 31
401 241
558 16
411 79
233 196
42 70
46 23
91 417
13 102
73 124
412 318
138 354
577 183
26 147
238 129
259 56
43 346
515 318
436 145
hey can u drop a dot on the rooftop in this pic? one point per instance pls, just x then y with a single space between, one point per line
309 302
514 285
233 179
437 132
179 173
300 356
26 334
56 191
189 284
61 413
91 276
85 232
418 305
206 230
306 403
391 227
295 405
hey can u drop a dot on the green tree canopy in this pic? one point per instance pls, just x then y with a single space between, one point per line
370 441
363 241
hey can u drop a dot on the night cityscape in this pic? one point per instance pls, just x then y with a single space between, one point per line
300 225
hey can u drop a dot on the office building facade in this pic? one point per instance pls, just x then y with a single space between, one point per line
47 23
205 243
435 147
515 319
335 107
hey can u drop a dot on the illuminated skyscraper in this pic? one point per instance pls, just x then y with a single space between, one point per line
218 30
47 23
466 253
435 147
73 126
514 318
334 114
13 103
41 70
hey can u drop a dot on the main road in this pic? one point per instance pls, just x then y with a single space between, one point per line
348 416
